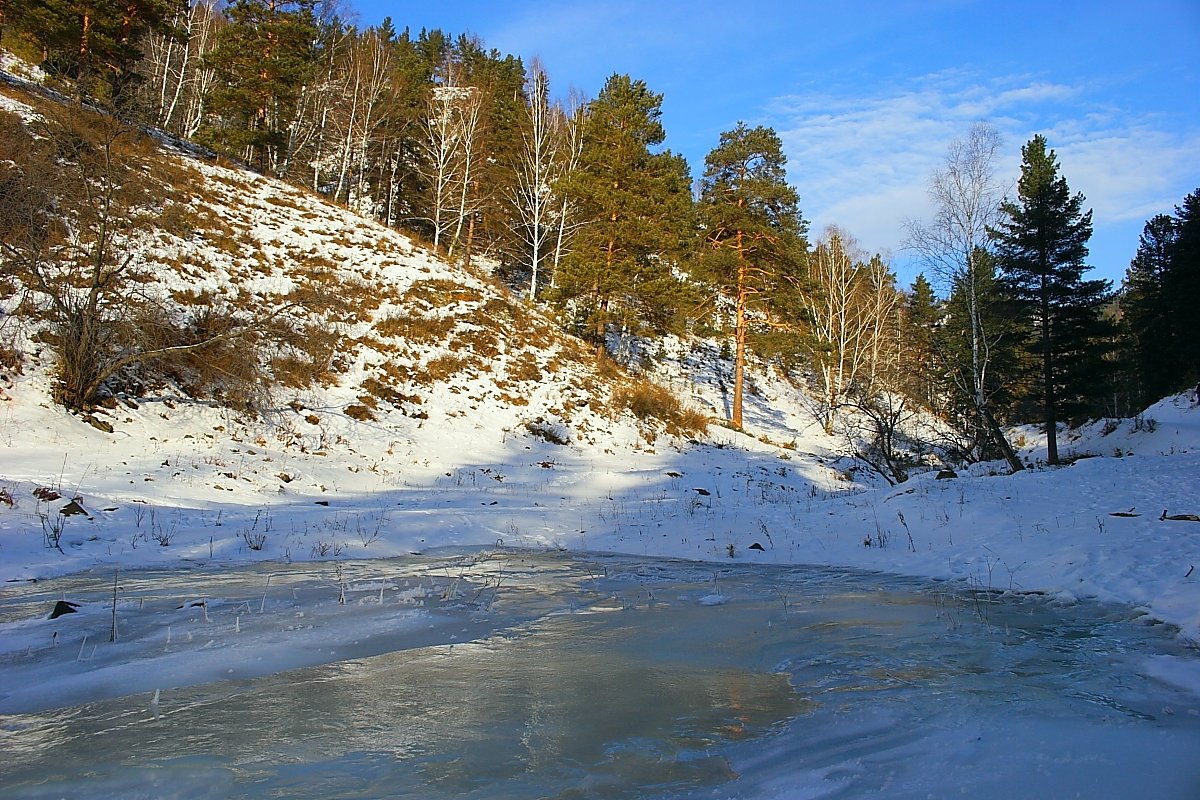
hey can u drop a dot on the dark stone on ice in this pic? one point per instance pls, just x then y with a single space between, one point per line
946 474
73 507
63 607
755 546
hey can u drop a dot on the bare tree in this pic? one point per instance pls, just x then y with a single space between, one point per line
853 314
76 201
367 64
966 199
539 167
178 79
566 224
470 114
450 148
836 320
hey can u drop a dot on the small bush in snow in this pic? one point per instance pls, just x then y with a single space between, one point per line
647 401
254 540
547 432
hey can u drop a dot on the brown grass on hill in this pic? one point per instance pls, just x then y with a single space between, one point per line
649 401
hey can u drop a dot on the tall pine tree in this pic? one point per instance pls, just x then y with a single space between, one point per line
1041 246
262 59
1182 286
754 231
1155 340
922 315
637 206
1159 303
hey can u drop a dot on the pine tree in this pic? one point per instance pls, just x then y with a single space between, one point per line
754 231
922 314
1159 301
1155 340
1041 246
95 43
1182 288
262 59
637 204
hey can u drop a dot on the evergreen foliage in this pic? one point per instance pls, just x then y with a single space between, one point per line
637 206
262 59
607 227
1041 246
1009 376
94 43
1160 291
923 315
754 233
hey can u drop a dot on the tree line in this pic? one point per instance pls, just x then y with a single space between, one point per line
586 213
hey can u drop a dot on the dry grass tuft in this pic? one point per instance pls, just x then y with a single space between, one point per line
648 401
415 328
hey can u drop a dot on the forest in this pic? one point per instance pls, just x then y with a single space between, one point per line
576 206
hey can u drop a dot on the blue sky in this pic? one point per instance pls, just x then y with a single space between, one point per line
866 96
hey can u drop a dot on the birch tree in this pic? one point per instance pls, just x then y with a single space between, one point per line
469 114
567 221
367 68
539 168
451 122
179 80
965 194
835 321
852 311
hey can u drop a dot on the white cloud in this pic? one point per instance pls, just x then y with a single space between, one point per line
863 162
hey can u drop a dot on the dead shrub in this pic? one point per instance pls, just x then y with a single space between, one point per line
483 343
307 355
648 401
440 292
525 368
359 412
548 432
194 355
444 367
416 328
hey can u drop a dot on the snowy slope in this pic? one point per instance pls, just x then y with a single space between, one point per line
438 426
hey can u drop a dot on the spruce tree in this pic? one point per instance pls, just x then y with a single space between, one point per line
1041 245
1159 302
1155 340
1181 286
922 315
754 231
637 206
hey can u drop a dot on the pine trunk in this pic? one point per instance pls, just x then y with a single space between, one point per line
1048 380
739 359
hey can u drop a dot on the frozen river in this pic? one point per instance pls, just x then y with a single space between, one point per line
509 674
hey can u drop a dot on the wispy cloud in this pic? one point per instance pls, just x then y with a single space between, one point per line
863 161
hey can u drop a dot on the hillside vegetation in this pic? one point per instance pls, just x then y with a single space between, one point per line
136 268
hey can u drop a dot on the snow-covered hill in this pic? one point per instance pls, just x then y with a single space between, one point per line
448 413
